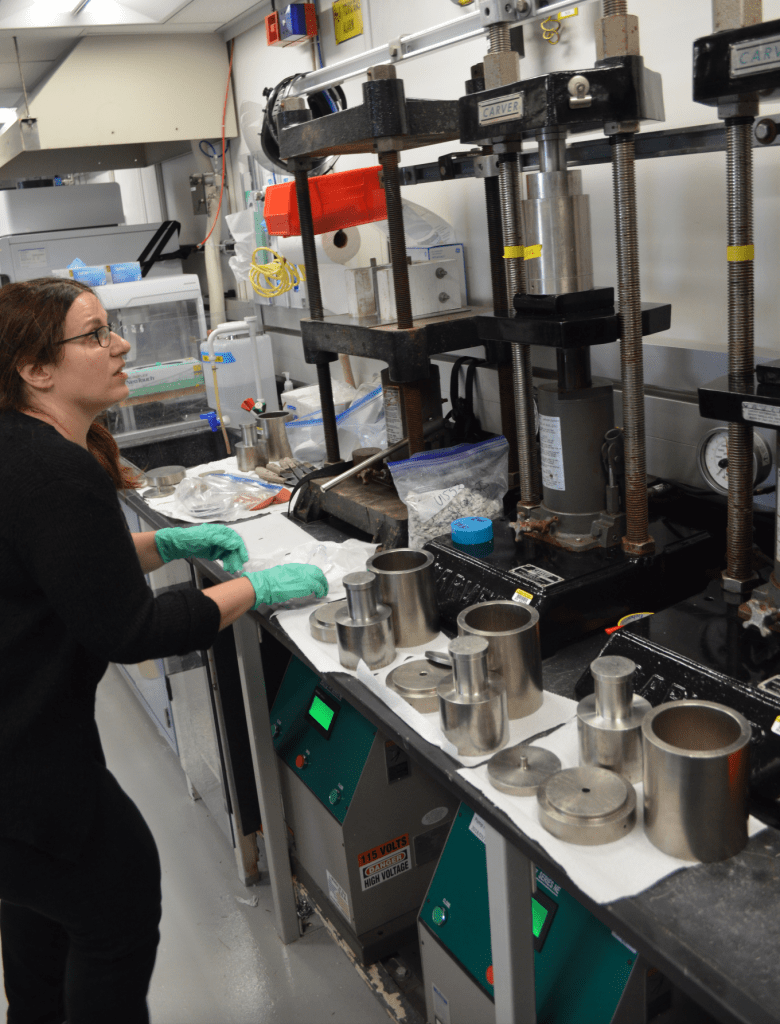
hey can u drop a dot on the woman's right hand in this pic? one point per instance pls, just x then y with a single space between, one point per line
285 582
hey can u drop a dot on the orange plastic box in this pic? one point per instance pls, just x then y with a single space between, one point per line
337 201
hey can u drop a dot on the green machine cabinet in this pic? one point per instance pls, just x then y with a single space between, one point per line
366 825
581 967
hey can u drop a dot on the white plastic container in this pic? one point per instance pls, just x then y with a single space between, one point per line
232 348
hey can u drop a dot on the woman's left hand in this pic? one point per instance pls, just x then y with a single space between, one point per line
209 540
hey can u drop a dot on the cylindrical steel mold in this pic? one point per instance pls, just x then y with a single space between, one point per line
246 457
696 756
472 701
514 653
272 427
556 216
364 629
609 721
406 585
572 425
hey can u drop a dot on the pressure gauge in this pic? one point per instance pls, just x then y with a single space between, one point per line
714 459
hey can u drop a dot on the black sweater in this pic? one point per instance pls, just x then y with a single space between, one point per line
72 598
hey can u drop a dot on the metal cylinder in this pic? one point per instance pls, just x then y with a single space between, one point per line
397 238
514 652
329 425
406 585
361 595
248 433
637 537
273 431
696 756
609 721
472 702
572 426
246 457
307 243
573 366
468 655
364 629
741 358
556 217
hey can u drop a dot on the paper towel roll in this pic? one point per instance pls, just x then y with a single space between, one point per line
340 246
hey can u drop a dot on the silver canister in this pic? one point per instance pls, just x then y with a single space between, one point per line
514 654
406 585
609 721
364 628
272 428
696 757
472 702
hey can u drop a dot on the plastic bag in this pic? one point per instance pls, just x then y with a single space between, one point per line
242 227
441 486
213 495
335 560
363 421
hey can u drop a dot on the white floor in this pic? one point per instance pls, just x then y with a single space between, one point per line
220 962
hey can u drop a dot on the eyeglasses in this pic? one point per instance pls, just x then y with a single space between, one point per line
101 334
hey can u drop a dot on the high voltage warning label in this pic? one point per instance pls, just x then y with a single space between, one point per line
347 19
384 862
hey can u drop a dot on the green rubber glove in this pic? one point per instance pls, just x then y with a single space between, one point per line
284 582
209 540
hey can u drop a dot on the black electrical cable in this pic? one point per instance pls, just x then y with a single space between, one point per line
320 103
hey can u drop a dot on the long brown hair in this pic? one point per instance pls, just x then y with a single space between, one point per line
32 321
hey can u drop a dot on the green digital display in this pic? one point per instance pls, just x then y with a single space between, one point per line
321 713
539 914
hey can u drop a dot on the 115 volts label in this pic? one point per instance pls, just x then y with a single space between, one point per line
384 862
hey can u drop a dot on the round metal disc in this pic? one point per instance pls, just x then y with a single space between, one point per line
322 621
166 476
587 805
521 769
417 682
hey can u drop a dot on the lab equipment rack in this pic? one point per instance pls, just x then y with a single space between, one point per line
712 930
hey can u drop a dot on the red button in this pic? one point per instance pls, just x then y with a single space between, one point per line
300 761
489 975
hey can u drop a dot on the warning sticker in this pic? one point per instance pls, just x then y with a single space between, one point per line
477 826
776 726
384 862
552 452
522 597
541 577
338 896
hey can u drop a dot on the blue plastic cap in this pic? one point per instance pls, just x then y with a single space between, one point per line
471 530
213 420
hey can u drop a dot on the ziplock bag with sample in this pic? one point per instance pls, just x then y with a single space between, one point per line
215 494
361 425
441 486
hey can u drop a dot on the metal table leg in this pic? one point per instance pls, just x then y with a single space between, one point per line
247 638
511 930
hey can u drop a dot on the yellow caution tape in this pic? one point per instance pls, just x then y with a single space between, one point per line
740 253
514 252
533 252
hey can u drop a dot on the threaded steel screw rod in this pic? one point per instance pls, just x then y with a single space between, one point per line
496 248
615 7
631 356
509 187
307 242
414 417
741 360
395 227
329 425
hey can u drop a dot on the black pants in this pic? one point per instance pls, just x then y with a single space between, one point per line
79 940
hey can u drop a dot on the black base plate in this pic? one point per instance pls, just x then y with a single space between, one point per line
700 649
575 593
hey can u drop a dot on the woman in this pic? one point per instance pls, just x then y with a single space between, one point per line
79 873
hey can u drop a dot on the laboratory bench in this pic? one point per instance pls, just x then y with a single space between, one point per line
712 929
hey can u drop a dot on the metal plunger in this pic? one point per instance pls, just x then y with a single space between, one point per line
619 39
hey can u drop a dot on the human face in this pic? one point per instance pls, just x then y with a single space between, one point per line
88 376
